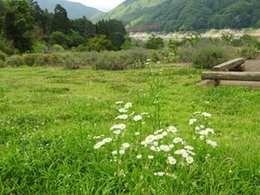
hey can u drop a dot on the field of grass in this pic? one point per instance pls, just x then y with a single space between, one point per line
126 132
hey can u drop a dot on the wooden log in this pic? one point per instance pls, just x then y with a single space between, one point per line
239 76
229 65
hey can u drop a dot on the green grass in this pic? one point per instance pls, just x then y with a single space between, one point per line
51 119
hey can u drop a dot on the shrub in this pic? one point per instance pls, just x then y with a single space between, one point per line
2 56
209 57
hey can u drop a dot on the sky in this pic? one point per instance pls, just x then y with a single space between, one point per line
103 5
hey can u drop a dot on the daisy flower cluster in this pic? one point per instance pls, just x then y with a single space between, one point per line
200 128
162 145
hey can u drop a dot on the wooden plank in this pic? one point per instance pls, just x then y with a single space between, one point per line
229 65
239 76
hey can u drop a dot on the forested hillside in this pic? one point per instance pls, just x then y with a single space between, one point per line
176 15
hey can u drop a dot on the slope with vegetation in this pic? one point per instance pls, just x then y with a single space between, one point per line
176 15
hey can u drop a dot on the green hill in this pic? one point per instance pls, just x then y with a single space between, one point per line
175 15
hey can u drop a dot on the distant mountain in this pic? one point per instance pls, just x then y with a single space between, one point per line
74 10
176 15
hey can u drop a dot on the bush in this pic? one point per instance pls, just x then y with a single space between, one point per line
134 58
209 57
2 56
206 54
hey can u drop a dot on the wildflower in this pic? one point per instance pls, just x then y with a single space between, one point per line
137 133
107 140
137 118
123 110
202 137
189 159
172 160
172 129
150 138
139 156
191 121
206 114
121 151
150 156
171 175
197 128
198 112
164 148
99 144
118 126
114 152
155 148
144 143
120 102
203 132
117 132
164 133
158 131
159 173
177 140
155 143
185 154
192 153
159 136
189 147
212 143
128 105
123 116
181 151
209 130
171 146
144 113
125 145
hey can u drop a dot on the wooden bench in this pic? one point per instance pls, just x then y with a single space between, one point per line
231 65
216 77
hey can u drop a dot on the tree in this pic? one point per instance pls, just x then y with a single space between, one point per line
2 13
85 27
154 42
99 43
18 25
61 21
60 38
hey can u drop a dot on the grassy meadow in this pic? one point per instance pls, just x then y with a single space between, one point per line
142 131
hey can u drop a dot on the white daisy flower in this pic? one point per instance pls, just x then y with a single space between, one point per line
122 110
109 139
121 151
191 121
189 159
137 118
177 140
172 129
128 105
206 114
99 144
150 138
123 116
139 156
125 145
212 143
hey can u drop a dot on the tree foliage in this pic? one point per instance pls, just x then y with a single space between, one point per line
18 25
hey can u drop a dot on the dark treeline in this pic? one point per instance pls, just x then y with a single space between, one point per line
25 27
